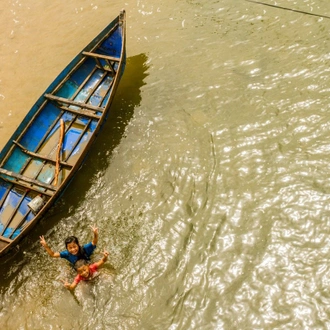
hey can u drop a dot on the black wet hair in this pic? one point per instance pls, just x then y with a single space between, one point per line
79 263
71 239
81 253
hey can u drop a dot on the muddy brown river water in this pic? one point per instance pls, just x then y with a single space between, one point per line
209 182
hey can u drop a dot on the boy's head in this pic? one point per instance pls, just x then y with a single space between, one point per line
72 245
82 268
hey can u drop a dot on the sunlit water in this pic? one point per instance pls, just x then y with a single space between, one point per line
210 181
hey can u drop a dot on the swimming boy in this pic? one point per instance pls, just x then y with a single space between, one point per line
85 271
73 251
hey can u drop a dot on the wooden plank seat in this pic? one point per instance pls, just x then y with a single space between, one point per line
107 58
26 179
29 187
75 103
35 155
81 112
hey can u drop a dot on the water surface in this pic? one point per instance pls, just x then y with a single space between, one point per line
210 181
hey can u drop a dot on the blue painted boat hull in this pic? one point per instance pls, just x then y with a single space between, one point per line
50 144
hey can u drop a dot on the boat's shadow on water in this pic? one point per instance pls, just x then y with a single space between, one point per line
127 98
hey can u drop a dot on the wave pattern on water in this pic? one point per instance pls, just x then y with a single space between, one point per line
213 200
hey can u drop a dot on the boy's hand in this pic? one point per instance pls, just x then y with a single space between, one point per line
66 283
105 255
96 235
95 230
43 241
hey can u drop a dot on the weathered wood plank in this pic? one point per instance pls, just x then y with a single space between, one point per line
104 57
107 59
81 112
29 187
27 179
78 104
35 155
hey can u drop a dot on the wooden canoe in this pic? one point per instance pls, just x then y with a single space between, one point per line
49 146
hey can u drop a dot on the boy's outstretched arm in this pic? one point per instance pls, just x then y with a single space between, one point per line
96 235
103 260
48 249
68 285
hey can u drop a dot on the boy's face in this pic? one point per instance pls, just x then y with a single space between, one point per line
73 248
83 271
